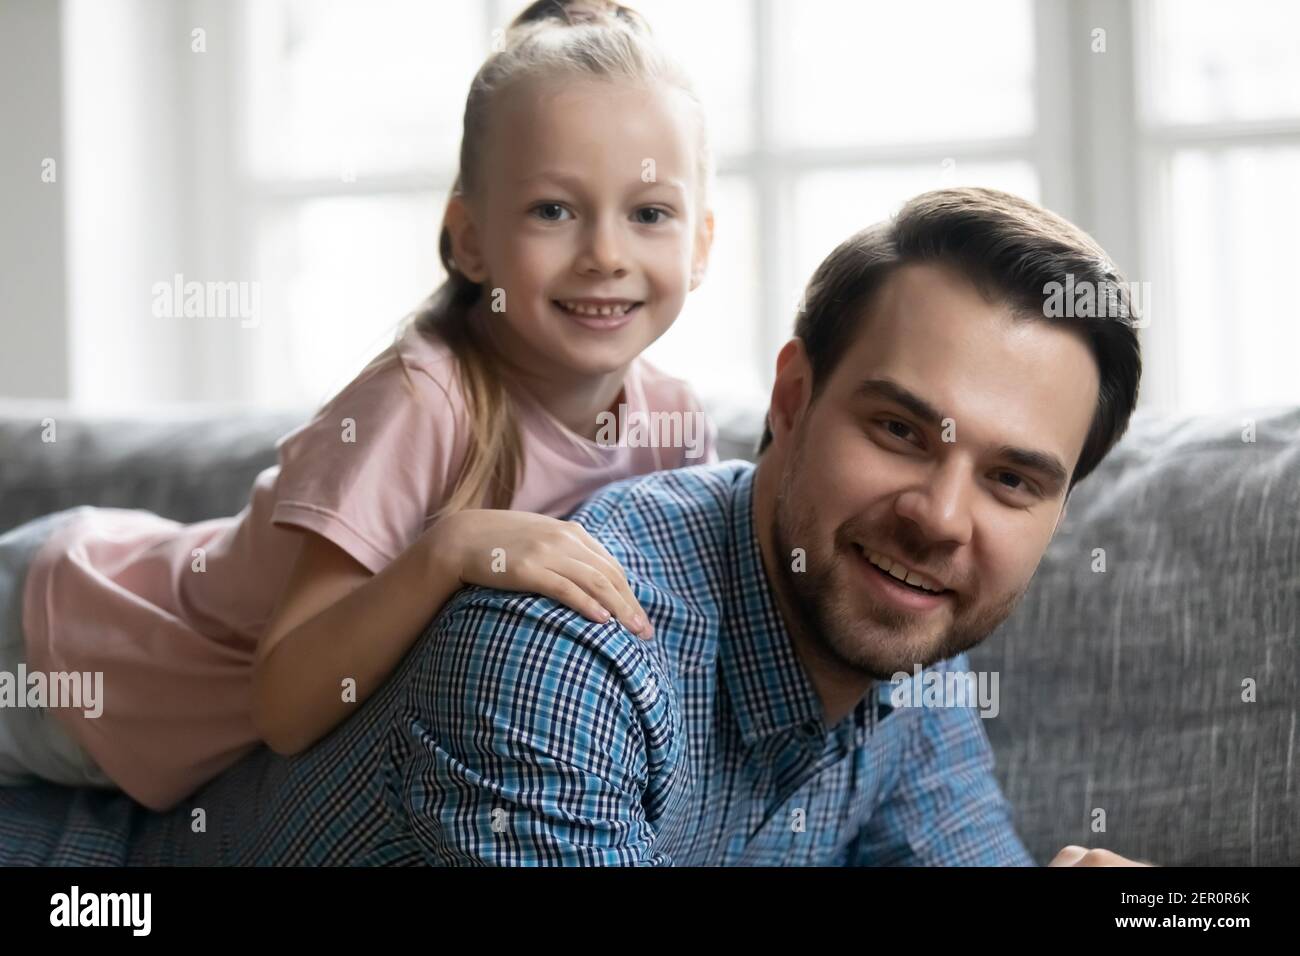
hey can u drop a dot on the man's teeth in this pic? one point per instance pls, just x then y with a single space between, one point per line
897 570
579 308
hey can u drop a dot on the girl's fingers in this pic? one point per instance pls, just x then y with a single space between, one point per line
636 619
614 572
562 589
597 584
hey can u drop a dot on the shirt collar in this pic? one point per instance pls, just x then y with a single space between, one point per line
770 693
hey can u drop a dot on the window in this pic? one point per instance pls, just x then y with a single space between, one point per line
1176 148
1219 119
348 125
829 145
349 120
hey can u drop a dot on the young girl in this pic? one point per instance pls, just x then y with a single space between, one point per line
576 228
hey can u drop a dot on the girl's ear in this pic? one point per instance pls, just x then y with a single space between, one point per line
703 243
465 246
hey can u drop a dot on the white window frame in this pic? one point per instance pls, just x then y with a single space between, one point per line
1097 163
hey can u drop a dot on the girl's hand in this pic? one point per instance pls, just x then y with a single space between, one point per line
520 551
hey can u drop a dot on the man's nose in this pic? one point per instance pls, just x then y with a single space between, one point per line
940 505
602 252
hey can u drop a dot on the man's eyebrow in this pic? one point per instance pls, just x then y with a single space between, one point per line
1045 464
893 392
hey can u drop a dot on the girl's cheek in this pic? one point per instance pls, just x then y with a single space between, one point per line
533 258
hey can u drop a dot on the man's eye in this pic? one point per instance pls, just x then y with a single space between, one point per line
895 431
550 211
1022 486
650 215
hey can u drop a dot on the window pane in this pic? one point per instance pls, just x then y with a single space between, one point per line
1210 62
1233 248
360 88
714 343
831 206
853 73
714 43
338 275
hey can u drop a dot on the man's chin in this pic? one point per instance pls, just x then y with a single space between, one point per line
880 642
880 654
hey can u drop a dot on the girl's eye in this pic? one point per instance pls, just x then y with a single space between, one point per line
550 212
650 215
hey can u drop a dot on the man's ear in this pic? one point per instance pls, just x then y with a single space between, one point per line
703 245
792 390
465 246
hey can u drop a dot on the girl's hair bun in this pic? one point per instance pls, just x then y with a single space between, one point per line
577 13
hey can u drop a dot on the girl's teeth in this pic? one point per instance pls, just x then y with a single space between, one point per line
595 310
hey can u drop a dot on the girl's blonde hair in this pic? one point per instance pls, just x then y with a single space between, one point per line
581 38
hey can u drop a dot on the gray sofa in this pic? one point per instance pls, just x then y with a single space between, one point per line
1121 691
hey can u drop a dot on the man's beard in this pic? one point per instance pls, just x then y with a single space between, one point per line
877 641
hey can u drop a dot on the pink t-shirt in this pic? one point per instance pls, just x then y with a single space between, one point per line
171 613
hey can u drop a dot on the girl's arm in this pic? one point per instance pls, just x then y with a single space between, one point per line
335 620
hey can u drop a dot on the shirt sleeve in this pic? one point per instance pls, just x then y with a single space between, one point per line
374 464
528 738
946 808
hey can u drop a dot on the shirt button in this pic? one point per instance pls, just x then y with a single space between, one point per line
809 728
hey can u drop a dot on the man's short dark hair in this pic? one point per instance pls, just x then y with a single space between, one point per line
1012 250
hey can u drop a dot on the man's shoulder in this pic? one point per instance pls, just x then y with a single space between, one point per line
492 621
674 535
664 511
539 664
532 644
669 531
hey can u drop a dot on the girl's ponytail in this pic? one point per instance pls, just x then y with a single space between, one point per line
493 456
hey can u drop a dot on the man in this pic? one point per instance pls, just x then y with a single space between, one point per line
927 423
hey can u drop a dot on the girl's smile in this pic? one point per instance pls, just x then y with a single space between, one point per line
600 315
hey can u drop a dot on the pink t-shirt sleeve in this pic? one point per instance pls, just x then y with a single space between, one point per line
374 464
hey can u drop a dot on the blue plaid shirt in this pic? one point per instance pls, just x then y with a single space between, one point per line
518 732
539 738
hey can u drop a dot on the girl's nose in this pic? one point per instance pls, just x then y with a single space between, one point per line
602 252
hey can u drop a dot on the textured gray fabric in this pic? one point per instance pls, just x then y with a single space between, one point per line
1119 690
1122 691
187 465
